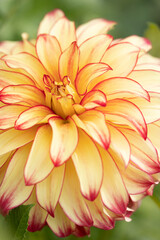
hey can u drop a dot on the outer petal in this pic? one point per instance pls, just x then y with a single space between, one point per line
64 31
39 164
48 191
88 74
23 95
120 87
122 112
93 123
32 116
81 231
71 200
119 144
13 78
93 28
101 220
113 191
122 58
13 191
153 132
94 99
143 153
13 139
68 62
9 114
49 20
64 139
4 158
149 79
150 109
60 224
88 166
48 51
37 215
29 63
92 49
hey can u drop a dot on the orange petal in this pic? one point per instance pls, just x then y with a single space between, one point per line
64 31
48 191
48 51
93 28
120 87
29 63
64 139
32 116
71 200
150 109
39 164
13 78
143 153
122 58
9 114
13 191
119 144
23 95
68 62
94 99
100 219
148 79
121 111
37 215
93 123
92 49
13 139
60 224
88 164
88 74
4 158
49 20
113 191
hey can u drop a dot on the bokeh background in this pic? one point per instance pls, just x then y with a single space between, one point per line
140 17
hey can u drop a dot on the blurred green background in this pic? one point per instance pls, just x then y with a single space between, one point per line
141 17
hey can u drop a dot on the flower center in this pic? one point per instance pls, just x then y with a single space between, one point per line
61 96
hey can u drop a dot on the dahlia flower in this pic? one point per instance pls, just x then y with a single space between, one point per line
80 121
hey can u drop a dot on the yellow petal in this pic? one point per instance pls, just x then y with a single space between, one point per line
32 116
121 111
88 73
122 58
22 94
113 191
9 114
120 87
39 164
13 78
94 99
13 139
4 158
93 123
93 28
13 191
92 49
68 62
49 20
153 132
64 31
48 191
29 63
148 79
143 153
88 164
64 139
119 144
71 200
48 51
60 224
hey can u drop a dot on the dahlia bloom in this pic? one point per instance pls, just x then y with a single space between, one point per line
80 121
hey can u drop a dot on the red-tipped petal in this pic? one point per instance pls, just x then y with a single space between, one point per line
94 99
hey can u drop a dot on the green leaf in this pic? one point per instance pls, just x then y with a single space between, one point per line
16 222
153 34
